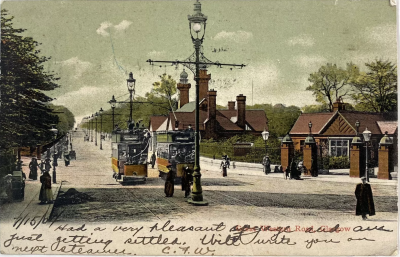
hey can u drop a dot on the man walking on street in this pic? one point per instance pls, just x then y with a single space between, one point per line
153 160
365 201
266 164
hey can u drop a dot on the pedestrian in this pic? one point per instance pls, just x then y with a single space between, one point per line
187 180
266 164
300 168
47 165
33 167
46 194
66 158
223 166
293 170
153 160
169 182
228 161
365 200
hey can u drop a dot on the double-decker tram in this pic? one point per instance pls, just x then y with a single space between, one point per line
129 155
176 148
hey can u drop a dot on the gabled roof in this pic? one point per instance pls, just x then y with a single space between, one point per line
257 119
321 121
389 126
366 119
156 121
225 122
318 120
189 107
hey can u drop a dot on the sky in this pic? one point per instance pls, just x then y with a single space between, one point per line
95 44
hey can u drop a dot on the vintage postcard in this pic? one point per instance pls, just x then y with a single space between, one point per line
190 128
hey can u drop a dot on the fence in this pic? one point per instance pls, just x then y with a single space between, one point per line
254 154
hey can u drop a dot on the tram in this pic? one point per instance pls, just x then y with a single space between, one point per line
176 148
129 155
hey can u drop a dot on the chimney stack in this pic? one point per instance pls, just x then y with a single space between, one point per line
231 105
203 83
183 87
212 104
339 105
241 110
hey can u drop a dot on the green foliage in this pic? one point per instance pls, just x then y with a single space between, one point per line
340 162
25 116
331 83
280 118
65 117
314 108
7 162
376 90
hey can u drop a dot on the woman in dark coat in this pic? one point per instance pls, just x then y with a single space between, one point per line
47 165
293 170
46 194
33 167
365 200
169 182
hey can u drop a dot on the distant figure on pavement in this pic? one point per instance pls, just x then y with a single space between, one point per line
365 200
169 182
266 164
224 166
293 170
66 158
228 161
33 167
187 180
47 165
153 160
46 194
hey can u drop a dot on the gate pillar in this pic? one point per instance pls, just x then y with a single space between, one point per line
385 156
287 152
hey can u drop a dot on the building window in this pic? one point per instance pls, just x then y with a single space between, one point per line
339 147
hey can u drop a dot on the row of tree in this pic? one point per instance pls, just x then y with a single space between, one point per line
25 112
374 90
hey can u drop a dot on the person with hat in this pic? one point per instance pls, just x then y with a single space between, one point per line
266 165
169 182
47 165
187 180
365 201
33 167
46 194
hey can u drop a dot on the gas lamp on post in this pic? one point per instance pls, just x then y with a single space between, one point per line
55 131
265 135
101 128
113 103
367 138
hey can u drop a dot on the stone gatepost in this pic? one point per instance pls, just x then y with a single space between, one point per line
287 152
385 158
357 158
310 157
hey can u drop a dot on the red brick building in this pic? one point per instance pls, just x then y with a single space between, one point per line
335 130
213 123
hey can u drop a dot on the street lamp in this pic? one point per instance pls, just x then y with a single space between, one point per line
357 127
54 130
91 138
367 137
197 23
113 103
101 127
265 135
310 126
95 139
130 82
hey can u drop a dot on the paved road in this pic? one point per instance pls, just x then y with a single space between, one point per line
238 196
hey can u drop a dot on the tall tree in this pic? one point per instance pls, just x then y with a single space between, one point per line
376 90
162 93
331 83
25 116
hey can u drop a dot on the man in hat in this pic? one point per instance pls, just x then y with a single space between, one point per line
187 180
169 182
153 160
365 201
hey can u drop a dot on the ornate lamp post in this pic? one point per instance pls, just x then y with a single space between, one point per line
197 24
95 138
101 128
367 137
265 135
55 131
357 127
310 126
113 103
130 82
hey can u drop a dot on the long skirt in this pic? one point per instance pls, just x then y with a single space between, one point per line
33 174
45 195
169 188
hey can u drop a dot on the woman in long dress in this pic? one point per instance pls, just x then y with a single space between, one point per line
33 167
169 182
46 194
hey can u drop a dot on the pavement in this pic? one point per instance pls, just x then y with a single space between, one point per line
30 205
